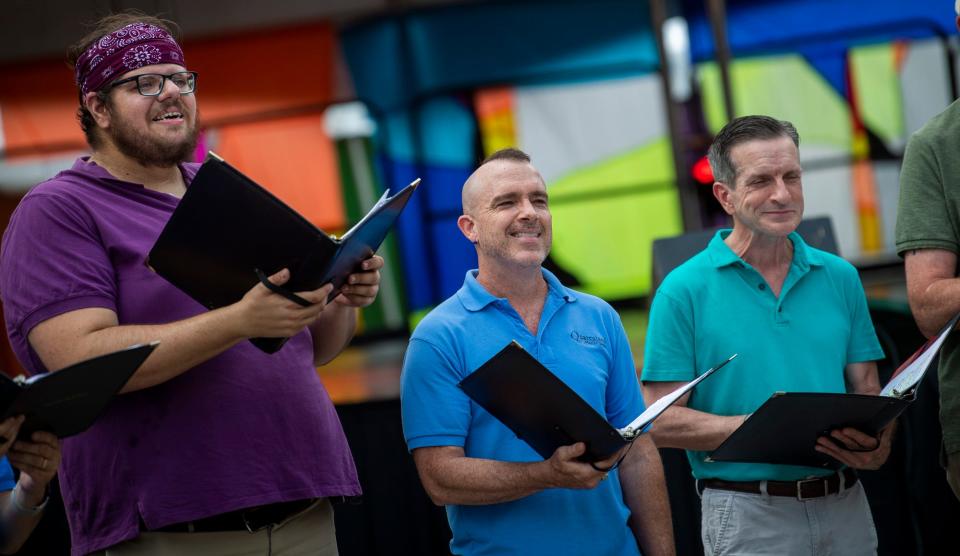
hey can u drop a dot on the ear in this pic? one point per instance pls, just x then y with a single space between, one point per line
98 109
723 193
468 227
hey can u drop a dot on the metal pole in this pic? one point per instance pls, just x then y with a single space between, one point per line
717 10
689 203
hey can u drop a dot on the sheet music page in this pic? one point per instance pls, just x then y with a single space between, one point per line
656 408
383 199
906 379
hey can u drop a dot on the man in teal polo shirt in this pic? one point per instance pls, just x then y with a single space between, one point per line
501 497
798 318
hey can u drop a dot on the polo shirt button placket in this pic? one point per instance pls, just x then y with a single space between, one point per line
778 315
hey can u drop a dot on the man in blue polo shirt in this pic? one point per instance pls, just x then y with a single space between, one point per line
501 497
798 318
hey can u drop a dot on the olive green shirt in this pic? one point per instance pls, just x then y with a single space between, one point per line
929 218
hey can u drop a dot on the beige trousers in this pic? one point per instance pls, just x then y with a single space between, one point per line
310 532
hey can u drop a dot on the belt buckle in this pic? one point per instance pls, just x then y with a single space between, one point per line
801 482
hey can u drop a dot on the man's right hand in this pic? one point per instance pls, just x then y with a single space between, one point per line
564 470
265 314
9 428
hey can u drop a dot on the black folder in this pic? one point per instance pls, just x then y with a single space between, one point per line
68 401
228 233
546 413
786 427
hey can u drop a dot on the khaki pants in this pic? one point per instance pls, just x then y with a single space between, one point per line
742 523
953 473
310 532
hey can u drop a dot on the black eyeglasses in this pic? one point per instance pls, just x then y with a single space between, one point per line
151 84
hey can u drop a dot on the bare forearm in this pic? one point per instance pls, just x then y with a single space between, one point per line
935 305
932 287
17 525
645 492
474 481
332 331
682 427
183 345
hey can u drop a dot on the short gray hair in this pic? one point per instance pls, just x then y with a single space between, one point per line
741 130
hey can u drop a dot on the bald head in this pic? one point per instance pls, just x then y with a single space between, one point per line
491 166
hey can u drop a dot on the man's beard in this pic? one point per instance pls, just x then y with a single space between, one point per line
149 150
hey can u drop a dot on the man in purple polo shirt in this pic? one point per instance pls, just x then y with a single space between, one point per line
214 447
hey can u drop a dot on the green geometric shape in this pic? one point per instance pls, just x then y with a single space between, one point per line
361 188
606 216
784 87
877 85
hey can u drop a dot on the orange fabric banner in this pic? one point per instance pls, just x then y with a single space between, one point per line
246 75
263 71
38 106
292 158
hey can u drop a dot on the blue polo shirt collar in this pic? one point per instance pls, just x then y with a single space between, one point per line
721 255
475 297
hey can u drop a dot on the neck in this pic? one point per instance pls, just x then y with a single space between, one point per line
519 285
524 288
762 252
164 179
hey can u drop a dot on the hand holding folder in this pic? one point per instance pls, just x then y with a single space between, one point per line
786 427
228 233
68 401
546 413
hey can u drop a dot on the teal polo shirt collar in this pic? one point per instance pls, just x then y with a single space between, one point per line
721 255
475 297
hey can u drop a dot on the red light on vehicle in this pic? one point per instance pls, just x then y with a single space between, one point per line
701 172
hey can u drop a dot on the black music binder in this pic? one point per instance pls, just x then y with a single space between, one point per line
228 233
786 427
68 401
546 413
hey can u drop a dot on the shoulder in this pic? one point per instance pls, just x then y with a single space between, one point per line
940 132
841 273
593 307
835 264
688 276
66 193
442 321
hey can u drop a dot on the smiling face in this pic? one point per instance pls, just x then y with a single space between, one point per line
506 215
767 198
153 130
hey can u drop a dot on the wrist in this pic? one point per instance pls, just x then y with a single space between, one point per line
28 503
232 320
540 475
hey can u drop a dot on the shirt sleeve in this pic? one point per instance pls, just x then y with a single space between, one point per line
7 481
669 354
863 345
624 401
52 262
923 219
434 409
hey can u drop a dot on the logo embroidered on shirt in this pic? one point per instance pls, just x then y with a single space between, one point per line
587 339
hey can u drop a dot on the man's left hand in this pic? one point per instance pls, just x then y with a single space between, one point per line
863 451
361 287
37 461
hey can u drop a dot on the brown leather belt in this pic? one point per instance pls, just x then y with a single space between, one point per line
801 490
249 519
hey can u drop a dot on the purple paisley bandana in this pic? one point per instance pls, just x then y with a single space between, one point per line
128 48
